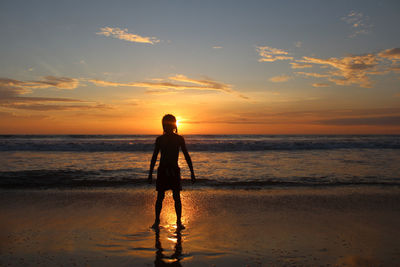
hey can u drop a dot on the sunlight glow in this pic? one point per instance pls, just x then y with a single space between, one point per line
180 123
168 215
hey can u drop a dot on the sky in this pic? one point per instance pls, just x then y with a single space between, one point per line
221 67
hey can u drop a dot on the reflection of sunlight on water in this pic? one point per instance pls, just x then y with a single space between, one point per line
173 239
166 260
168 215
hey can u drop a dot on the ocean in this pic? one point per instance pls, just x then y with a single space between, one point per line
220 161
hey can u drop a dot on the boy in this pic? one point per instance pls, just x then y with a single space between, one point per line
168 173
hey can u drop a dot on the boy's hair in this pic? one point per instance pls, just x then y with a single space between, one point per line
169 124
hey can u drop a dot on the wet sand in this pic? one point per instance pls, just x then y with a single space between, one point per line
344 226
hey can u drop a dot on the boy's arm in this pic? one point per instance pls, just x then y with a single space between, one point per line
188 159
153 162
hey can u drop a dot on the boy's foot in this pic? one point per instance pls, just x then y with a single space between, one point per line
180 226
156 225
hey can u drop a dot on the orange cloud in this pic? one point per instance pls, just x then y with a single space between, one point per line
377 121
110 84
348 70
312 74
270 54
52 81
12 95
52 107
123 34
391 54
185 83
354 69
379 116
279 79
159 92
23 87
299 66
320 84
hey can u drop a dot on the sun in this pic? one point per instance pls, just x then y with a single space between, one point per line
180 123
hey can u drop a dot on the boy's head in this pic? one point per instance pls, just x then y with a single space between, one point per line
169 124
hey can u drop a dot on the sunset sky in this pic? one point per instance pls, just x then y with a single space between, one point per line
222 67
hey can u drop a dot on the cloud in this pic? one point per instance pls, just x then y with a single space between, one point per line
270 54
320 84
312 74
354 69
395 69
217 47
15 94
347 70
53 107
358 22
279 79
27 99
13 115
110 84
376 121
299 66
225 121
391 54
176 83
341 117
15 101
335 113
12 95
207 84
123 34
52 81
24 87
372 112
159 92
11 88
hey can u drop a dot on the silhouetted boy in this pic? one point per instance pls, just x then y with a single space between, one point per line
168 173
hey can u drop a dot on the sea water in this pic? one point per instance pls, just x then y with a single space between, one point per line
233 161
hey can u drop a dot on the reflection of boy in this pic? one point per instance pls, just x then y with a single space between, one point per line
177 256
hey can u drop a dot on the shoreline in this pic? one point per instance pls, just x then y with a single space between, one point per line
49 183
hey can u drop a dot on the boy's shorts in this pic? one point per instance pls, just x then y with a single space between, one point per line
168 178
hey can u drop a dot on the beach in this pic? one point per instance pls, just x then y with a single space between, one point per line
259 200
286 226
278 120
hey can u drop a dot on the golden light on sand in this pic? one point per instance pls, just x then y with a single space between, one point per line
168 215
173 239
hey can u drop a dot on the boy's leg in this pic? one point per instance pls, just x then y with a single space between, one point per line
178 206
159 201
